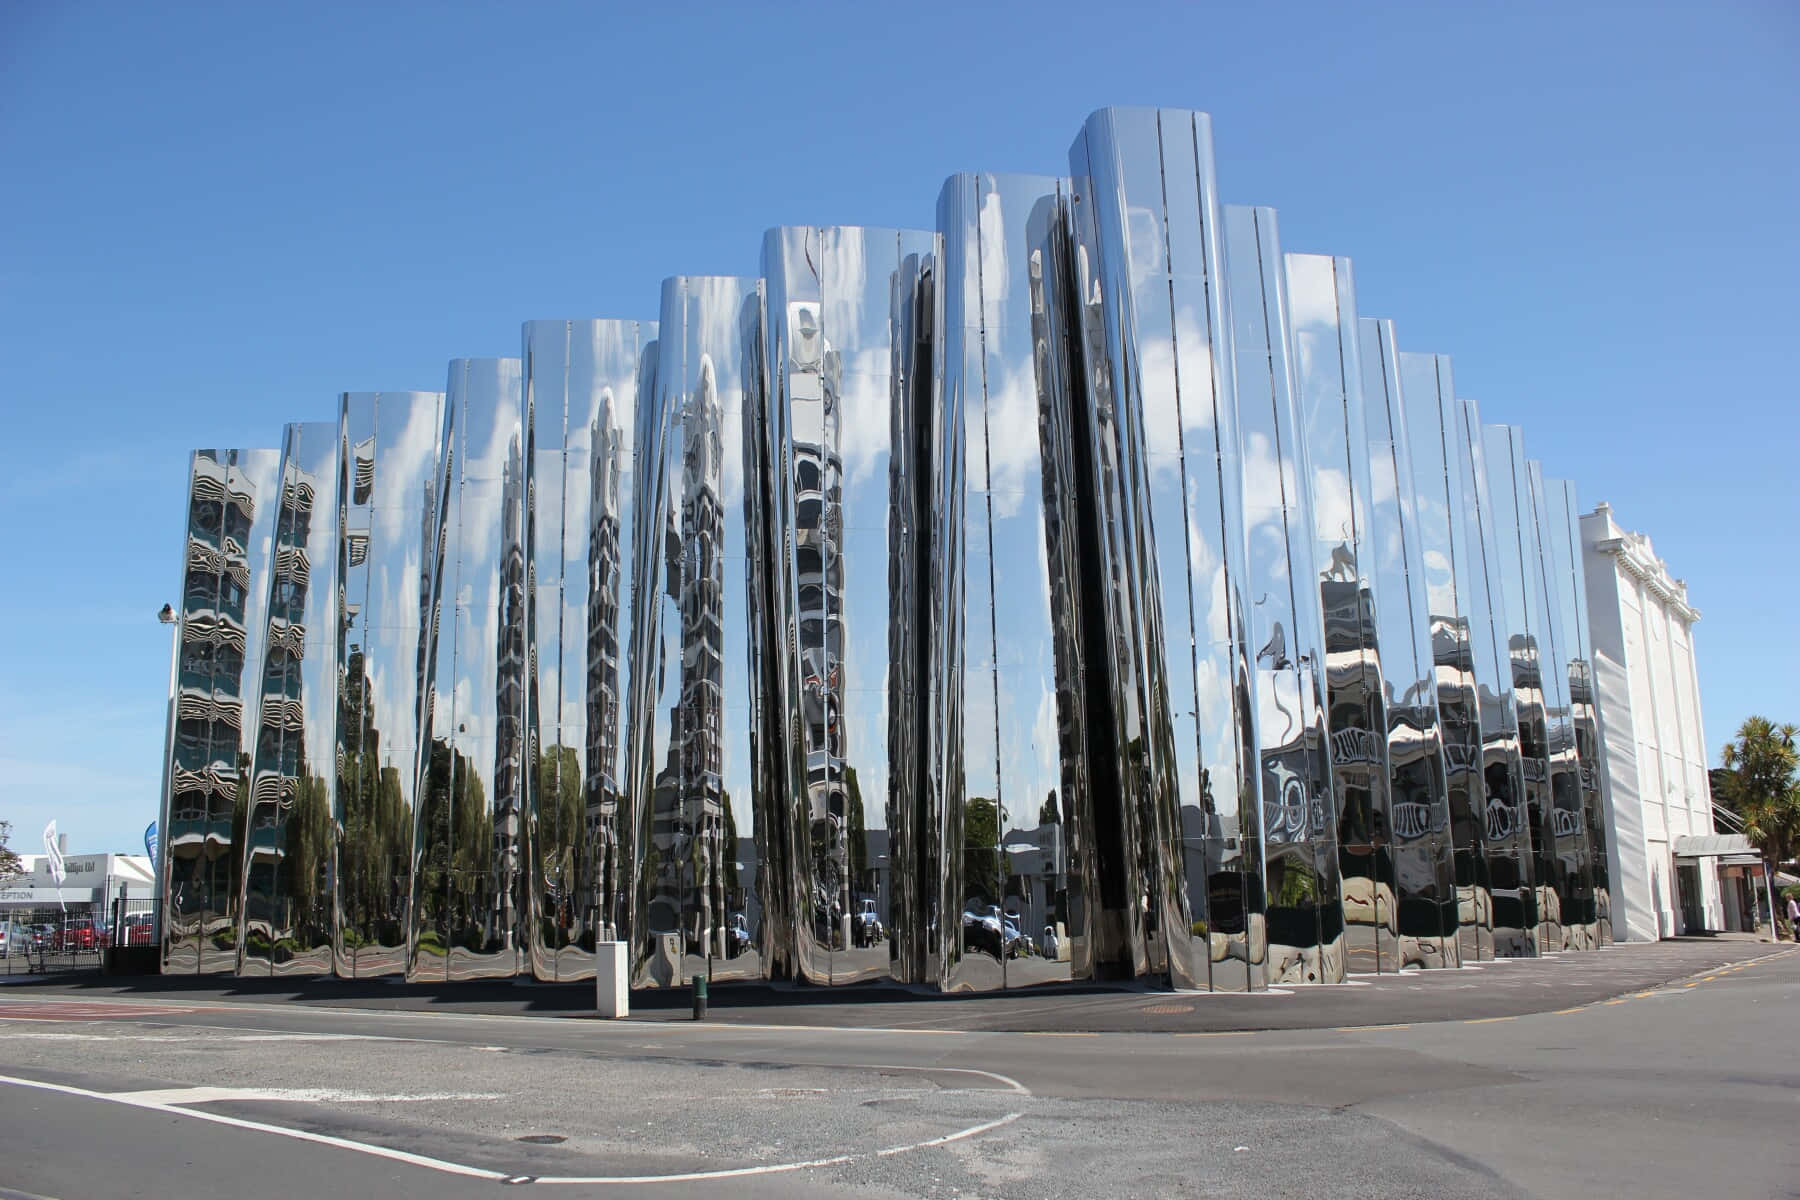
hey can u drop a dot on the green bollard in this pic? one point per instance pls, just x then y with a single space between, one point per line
699 997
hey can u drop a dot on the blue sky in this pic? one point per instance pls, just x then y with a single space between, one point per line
215 218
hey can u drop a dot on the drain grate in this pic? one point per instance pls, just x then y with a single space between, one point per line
542 1139
1168 1009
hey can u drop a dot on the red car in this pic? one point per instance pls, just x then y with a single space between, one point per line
76 935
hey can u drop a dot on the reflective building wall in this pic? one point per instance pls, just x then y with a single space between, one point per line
584 396
1303 907
222 623
289 842
469 897
1398 850
1077 591
1176 834
705 812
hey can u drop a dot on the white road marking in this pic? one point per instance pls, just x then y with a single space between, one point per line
216 1095
142 1100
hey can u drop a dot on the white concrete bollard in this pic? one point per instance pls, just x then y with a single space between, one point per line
612 981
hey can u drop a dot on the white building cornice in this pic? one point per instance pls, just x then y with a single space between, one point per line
1637 559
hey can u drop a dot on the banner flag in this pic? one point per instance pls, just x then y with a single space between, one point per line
53 854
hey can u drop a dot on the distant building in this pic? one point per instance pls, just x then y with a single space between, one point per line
1665 854
87 879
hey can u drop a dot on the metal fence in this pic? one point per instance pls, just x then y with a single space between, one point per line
72 937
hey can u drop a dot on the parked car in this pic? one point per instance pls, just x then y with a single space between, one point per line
78 934
992 932
868 928
15 940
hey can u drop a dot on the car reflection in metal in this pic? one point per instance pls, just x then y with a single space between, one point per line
1418 779
584 395
289 834
1328 382
829 350
704 816
221 627
469 899
1304 907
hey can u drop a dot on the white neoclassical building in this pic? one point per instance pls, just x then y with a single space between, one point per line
1653 743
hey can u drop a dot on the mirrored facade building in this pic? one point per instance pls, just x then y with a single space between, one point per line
1077 589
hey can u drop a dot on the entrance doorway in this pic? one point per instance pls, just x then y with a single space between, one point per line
1687 883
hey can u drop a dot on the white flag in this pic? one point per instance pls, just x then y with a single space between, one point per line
53 854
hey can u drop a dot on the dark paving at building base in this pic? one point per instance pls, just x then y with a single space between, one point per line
1505 988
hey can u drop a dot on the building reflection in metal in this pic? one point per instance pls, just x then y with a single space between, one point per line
1418 785
289 835
704 810
1522 604
1011 913
231 514
584 394
1568 815
1334 430
1564 535
829 350
1428 931
1176 838
468 878
387 496
1503 827
1303 903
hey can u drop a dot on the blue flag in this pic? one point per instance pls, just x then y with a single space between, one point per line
150 843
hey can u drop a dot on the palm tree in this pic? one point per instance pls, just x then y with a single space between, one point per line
1758 782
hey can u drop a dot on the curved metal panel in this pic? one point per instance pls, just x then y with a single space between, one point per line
1178 855
1568 821
469 899
1417 776
288 842
1521 592
221 627
1014 914
388 484
1566 516
584 394
1429 901
1329 386
1304 907
703 814
829 358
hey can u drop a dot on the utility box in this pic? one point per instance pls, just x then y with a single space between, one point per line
612 980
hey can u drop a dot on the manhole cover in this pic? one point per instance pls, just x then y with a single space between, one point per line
1168 1009
542 1139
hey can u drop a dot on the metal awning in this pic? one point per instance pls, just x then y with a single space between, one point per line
1714 845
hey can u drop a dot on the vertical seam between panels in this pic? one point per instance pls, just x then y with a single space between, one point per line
993 621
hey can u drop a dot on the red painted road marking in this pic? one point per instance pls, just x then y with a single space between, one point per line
82 1010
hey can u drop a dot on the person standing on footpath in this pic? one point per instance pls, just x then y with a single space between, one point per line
1793 907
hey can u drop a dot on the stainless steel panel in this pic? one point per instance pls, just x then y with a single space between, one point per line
221 626
1418 780
1013 875
388 499
704 814
584 397
1334 432
1549 535
829 354
1582 703
288 843
1303 893
1175 838
1428 914
1521 592
470 896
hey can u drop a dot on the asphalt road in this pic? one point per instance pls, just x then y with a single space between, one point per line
1674 1089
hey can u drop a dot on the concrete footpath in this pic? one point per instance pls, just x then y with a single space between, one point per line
1505 988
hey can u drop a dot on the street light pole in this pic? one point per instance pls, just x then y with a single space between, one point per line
159 874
